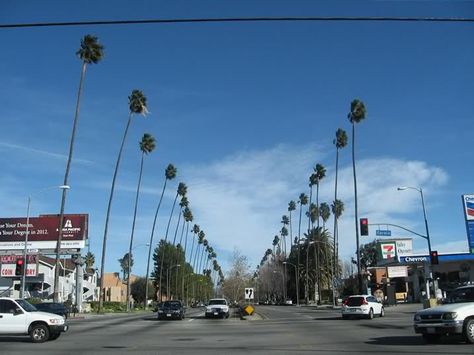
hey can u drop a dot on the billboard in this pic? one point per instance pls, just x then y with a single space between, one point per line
43 232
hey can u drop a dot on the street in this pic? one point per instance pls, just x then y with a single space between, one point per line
276 329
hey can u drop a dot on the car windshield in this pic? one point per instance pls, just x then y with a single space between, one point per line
26 306
462 295
172 305
214 302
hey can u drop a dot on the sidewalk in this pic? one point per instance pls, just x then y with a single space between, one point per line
95 315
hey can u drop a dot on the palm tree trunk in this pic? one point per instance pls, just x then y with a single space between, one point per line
151 242
184 267
317 248
298 248
335 260
132 234
65 182
359 275
104 242
164 244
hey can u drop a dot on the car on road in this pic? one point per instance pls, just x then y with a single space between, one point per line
217 307
52 307
171 310
454 317
18 317
362 306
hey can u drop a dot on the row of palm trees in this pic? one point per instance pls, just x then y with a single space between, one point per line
326 251
92 52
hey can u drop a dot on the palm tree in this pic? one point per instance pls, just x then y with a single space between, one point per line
337 208
285 221
91 51
89 260
170 174
181 191
291 208
188 217
340 142
147 145
303 200
325 212
356 115
275 242
137 105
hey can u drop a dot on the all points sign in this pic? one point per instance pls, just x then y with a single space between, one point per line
43 232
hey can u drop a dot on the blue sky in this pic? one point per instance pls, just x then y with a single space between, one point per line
244 111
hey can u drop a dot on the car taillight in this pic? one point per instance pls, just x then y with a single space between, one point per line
365 302
346 301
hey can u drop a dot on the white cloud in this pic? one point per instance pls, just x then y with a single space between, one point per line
239 201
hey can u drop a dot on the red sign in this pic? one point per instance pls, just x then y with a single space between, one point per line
43 228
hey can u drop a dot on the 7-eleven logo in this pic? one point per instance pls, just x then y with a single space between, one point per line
389 251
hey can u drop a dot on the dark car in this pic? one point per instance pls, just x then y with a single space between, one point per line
56 308
171 310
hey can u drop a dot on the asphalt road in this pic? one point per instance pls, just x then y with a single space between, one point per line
279 330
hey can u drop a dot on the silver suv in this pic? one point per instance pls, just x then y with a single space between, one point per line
454 317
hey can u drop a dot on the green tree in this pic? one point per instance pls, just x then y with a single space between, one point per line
325 212
137 105
369 256
90 52
147 145
356 115
170 174
139 290
89 260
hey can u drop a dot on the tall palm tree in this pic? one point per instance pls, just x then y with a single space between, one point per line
147 145
356 115
285 221
337 208
137 105
188 218
275 242
170 174
91 52
302 200
181 191
291 208
340 142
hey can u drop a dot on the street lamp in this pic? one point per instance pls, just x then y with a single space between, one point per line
25 249
296 282
420 190
168 276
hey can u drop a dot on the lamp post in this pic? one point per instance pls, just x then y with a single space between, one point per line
167 278
296 282
420 190
25 249
129 267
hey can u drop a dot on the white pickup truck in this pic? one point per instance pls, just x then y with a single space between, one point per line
217 307
18 317
454 317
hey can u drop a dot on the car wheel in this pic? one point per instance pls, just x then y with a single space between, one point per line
382 312
39 333
469 331
431 338
227 315
371 314
54 336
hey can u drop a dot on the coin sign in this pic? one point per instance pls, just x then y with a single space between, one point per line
249 293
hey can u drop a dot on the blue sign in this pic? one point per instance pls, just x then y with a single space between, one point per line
470 235
383 233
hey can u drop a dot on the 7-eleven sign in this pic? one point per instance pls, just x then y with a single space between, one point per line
389 250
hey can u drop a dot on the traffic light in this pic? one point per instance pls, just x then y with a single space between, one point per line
364 226
434 257
20 265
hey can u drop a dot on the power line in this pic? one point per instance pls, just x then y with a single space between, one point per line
239 19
